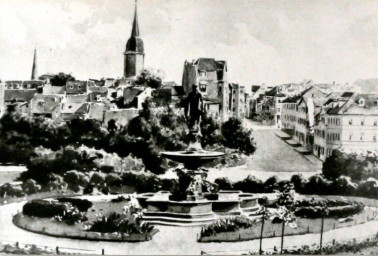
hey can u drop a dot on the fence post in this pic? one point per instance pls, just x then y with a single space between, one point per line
17 244
57 250
334 225
103 252
333 242
308 229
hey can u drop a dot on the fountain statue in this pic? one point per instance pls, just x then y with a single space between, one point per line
196 201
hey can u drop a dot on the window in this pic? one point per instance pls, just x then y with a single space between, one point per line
375 122
374 137
202 73
361 102
362 121
350 136
71 86
361 136
351 121
202 87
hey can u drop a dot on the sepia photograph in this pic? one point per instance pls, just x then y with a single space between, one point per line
188 127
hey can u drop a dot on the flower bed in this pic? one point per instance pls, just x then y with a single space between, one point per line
304 226
54 228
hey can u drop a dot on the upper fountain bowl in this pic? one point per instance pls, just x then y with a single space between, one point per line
193 159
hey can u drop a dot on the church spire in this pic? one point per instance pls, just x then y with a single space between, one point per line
34 74
135 31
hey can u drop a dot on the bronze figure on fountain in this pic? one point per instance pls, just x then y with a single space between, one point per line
194 110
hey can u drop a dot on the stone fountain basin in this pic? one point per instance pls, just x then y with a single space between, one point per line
196 157
229 203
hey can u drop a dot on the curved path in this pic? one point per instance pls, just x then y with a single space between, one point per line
170 240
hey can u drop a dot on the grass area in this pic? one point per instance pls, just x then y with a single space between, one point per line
49 226
104 208
304 226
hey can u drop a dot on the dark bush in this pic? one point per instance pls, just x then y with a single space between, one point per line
82 204
235 136
44 209
333 212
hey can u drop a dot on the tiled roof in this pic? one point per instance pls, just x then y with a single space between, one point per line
45 104
75 108
206 64
19 95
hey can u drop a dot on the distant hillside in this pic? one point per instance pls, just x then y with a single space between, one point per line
367 85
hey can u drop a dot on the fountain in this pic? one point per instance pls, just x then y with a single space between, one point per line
199 202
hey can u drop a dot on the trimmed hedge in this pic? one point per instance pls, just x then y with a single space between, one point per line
44 209
82 204
334 212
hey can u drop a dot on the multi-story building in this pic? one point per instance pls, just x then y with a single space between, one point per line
210 76
349 123
238 101
290 110
19 94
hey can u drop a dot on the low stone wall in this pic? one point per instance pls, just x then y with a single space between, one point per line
55 229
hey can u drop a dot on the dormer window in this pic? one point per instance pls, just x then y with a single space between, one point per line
71 86
361 102
202 73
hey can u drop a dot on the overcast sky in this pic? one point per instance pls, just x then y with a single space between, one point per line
263 41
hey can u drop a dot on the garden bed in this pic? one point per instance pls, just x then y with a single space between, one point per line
304 226
54 228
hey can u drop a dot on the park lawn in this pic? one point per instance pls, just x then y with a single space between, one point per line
104 208
304 226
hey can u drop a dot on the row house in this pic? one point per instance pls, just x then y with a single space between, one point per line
210 76
239 101
18 94
349 123
290 111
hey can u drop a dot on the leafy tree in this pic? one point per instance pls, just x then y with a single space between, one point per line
58 79
265 214
224 183
285 211
235 136
150 78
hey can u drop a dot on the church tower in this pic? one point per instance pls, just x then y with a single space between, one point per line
34 75
134 54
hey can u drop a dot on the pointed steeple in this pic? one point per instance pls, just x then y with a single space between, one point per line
135 31
34 74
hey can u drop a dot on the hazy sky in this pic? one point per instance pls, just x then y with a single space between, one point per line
263 41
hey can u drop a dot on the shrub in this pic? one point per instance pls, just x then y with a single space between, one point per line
71 216
333 212
226 225
44 209
116 222
235 136
82 204
224 183
357 167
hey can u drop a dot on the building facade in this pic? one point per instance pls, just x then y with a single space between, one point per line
210 76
